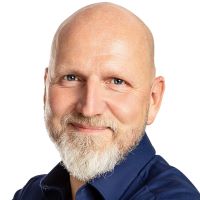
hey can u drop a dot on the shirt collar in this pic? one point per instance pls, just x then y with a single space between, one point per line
114 184
57 179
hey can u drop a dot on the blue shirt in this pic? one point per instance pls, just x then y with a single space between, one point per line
141 176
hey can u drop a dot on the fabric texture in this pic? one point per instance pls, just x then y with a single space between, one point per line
141 176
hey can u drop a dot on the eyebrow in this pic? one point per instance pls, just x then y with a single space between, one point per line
62 70
117 71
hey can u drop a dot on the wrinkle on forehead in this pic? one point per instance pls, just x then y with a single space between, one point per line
106 22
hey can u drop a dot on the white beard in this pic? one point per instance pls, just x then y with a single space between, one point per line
84 163
85 160
88 156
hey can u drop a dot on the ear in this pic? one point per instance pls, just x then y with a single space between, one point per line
45 79
156 95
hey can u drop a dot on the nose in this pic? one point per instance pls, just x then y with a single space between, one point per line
91 102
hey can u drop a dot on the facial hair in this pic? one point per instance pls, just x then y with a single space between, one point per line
89 156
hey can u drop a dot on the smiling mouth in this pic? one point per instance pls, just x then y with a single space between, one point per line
87 128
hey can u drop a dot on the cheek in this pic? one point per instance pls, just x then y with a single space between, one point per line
129 109
61 101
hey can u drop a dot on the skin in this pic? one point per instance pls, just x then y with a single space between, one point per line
102 65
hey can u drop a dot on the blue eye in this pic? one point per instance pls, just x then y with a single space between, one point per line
117 81
70 77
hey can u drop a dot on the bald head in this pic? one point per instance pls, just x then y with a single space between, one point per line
105 23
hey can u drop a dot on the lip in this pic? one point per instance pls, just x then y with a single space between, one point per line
86 128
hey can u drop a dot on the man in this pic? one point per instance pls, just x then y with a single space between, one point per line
100 93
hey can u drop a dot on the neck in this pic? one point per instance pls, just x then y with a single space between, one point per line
75 185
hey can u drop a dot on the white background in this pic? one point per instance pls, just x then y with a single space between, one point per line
26 31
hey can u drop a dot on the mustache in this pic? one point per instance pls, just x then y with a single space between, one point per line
95 121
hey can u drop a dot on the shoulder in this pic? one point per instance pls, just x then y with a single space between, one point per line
32 190
167 182
160 181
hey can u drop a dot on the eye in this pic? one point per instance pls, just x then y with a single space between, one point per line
70 80
118 84
70 77
117 81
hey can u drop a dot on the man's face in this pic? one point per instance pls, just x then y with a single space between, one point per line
97 100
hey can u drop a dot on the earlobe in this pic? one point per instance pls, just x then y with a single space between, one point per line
45 78
45 74
156 95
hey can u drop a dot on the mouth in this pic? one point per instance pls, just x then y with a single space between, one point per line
84 128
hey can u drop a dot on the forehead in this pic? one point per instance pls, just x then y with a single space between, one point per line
115 56
86 49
